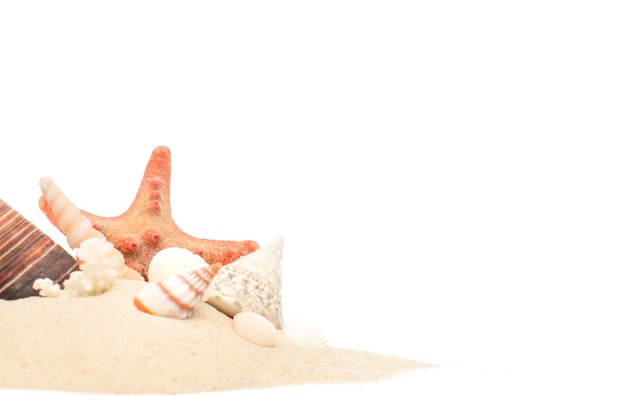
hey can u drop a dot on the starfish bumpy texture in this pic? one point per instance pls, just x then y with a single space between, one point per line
147 226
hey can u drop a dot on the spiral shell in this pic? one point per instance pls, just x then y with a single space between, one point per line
76 226
251 283
172 261
305 334
176 295
26 254
255 328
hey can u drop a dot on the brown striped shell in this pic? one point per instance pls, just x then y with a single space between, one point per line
26 254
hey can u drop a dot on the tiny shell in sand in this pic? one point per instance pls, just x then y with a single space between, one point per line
305 334
255 329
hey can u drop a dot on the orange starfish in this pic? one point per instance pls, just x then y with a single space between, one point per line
147 226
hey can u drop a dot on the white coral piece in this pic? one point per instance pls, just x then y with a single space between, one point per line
97 260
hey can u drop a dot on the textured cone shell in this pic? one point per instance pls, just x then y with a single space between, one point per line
305 334
26 254
176 295
251 283
76 226
255 329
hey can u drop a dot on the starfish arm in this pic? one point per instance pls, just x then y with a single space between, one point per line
153 196
148 227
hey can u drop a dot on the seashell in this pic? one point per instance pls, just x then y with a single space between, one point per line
172 261
176 295
305 334
255 328
76 226
251 283
26 254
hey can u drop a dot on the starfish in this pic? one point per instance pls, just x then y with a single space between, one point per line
148 227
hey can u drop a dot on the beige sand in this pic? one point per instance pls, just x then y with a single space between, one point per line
103 344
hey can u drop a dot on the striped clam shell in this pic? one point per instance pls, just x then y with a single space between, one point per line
26 254
251 283
255 328
176 295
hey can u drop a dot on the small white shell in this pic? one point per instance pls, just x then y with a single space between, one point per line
173 261
176 295
305 334
255 329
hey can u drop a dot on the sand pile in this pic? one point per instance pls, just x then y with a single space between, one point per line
103 344
100 342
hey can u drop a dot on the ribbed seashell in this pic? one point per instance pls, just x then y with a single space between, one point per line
172 261
26 254
305 334
176 295
255 328
76 226
251 283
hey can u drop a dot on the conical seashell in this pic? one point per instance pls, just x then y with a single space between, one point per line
255 328
251 283
76 226
26 254
176 295
172 261
305 334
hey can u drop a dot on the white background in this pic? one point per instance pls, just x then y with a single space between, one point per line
448 177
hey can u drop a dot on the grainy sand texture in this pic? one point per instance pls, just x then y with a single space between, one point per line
103 344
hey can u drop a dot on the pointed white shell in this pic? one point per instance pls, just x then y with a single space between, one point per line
75 226
255 329
176 295
305 334
251 283
172 261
